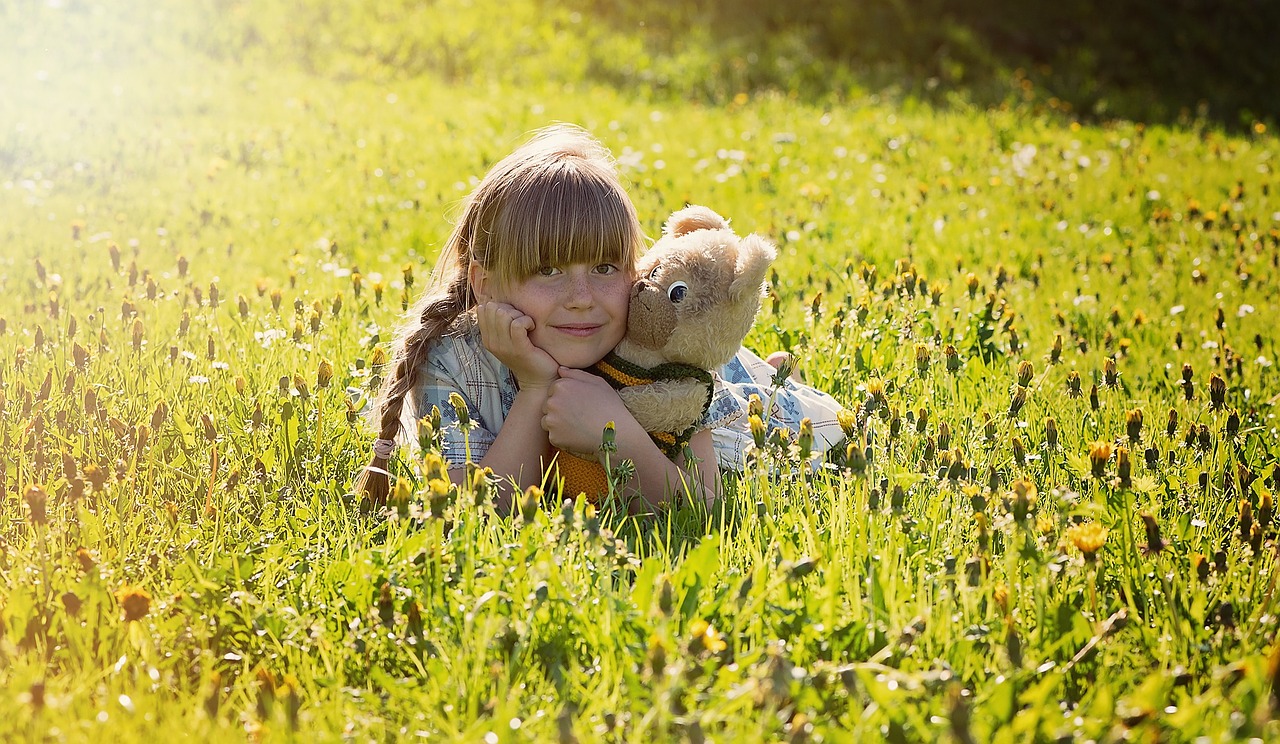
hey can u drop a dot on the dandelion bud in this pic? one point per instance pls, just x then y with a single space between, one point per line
324 374
37 500
1023 499
922 359
1266 510
1246 519
1203 440
529 504
1099 453
1155 543
1073 384
1217 391
971 284
981 531
113 251
159 415
1018 400
895 422
1025 372
210 430
609 439
213 295
211 350
378 358
1124 468
1172 427
407 272
1152 458
944 436
958 467
460 410
1200 566
79 356
1094 404
805 438
357 283
1233 424
1255 539
754 406
758 430
1133 424
953 358
1019 452
897 498
855 458
300 385
1051 433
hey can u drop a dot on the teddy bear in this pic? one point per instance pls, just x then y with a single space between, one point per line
696 297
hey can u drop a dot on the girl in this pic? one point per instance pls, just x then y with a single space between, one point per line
531 286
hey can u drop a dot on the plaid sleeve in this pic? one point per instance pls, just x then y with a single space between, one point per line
446 372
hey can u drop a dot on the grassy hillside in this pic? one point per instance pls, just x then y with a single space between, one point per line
212 214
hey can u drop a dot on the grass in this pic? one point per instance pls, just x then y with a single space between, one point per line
202 208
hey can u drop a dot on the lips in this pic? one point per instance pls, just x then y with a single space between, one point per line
580 330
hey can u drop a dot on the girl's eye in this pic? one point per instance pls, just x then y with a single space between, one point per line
606 269
677 291
548 271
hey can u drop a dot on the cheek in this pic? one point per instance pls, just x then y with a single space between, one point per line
619 297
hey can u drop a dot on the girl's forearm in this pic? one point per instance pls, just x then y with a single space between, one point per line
519 449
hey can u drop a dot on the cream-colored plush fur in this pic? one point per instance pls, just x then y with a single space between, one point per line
723 275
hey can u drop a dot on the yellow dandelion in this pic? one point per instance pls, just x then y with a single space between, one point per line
135 601
1088 538
703 636
1099 453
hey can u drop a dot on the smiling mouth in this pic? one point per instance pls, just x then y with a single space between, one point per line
580 330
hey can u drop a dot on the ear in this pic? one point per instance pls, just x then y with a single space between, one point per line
481 282
754 256
692 218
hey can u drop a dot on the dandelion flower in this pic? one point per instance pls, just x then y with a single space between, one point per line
704 636
1088 538
135 601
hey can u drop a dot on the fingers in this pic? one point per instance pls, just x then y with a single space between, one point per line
569 373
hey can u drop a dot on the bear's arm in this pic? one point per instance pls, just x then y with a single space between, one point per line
666 405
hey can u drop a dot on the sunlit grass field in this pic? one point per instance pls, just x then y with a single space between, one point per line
1057 525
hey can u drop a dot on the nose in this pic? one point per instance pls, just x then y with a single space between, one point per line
579 293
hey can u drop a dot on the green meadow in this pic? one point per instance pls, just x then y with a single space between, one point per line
1057 522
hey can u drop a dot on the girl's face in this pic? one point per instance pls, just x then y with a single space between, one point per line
579 310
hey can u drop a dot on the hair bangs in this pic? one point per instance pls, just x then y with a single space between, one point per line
570 213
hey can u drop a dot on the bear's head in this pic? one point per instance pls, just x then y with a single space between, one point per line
699 290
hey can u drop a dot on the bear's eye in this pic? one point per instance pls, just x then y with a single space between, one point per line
677 291
654 274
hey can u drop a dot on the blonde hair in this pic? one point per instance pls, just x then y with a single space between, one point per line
555 200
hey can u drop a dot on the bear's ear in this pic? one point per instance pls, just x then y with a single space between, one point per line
754 256
692 218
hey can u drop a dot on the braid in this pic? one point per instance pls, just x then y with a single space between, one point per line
436 316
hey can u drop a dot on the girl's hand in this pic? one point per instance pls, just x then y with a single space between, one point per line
576 411
504 331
